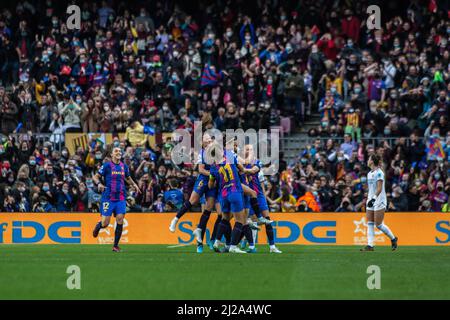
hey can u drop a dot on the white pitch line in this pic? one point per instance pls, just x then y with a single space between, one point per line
179 245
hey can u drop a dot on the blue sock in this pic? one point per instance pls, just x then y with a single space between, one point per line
269 233
221 229
117 234
247 232
227 232
184 208
203 221
216 226
255 207
236 233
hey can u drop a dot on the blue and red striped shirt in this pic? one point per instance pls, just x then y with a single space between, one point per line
254 182
114 175
227 175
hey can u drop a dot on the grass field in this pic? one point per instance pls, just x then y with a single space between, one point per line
159 272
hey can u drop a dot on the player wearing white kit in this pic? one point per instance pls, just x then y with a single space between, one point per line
376 204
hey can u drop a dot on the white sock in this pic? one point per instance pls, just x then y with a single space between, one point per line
272 246
251 247
254 235
232 247
175 219
386 230
217 242
370 233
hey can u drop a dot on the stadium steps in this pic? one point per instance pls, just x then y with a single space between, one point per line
296 141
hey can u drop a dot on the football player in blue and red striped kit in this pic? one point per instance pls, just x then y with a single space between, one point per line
226 175
200 189
115 173
253 167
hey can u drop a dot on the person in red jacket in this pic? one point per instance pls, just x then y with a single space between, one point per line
351 25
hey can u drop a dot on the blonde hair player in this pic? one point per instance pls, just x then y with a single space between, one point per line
376 204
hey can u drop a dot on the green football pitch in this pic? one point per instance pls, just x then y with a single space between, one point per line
159 272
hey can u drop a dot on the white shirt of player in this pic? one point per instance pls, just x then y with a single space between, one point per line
372 178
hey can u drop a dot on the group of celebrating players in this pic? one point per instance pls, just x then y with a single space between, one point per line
234 186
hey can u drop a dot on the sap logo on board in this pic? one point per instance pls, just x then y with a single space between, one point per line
444 228
295 232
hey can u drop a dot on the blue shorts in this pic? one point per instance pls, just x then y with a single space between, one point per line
246 202
262 204
211 195
107 208
233 203
201 188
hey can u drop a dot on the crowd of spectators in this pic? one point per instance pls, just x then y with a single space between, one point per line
146 67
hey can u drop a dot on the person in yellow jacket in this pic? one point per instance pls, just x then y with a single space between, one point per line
446 206
135 135
286 201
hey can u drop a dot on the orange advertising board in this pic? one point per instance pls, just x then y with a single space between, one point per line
289 228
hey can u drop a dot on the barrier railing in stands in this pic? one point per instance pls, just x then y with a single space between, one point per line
296 144
57 139
287 143
375 141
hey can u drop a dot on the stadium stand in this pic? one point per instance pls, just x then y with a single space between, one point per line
138 69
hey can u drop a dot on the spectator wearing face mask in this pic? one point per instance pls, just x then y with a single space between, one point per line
65 199
389 72
71 114
89 116
294 87
25 150
22 195
10 204
351 25
73 89
328 107
399 201
8 116
376 86
438 197
425 206
82 198
247 32
352 120
316 64
43 205
159 205
345 206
